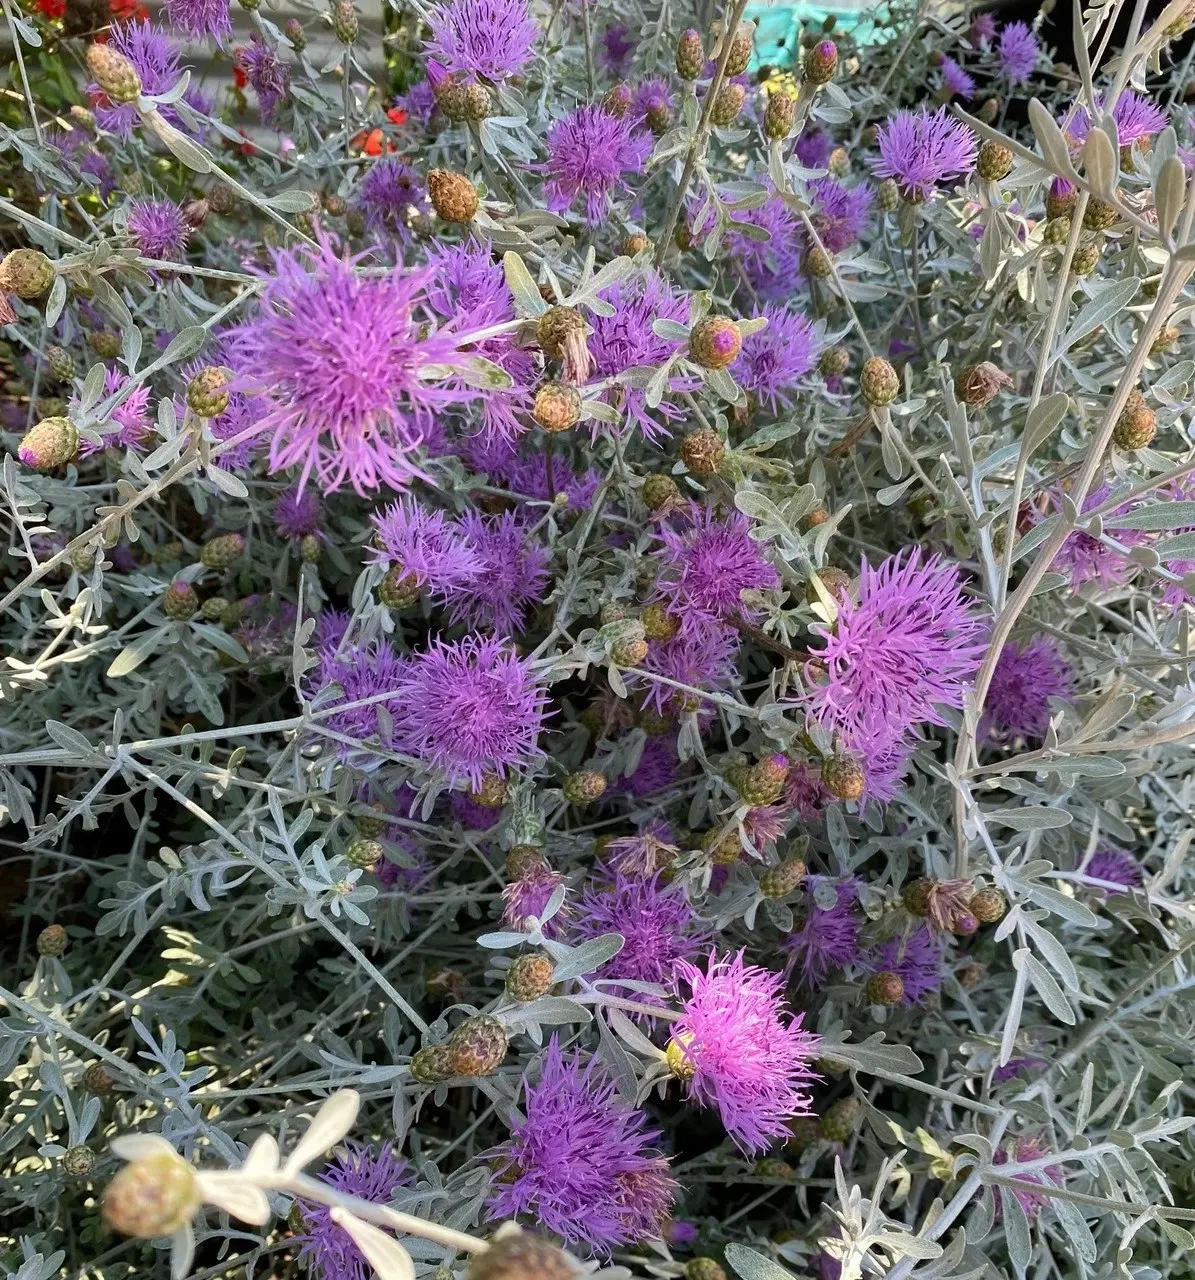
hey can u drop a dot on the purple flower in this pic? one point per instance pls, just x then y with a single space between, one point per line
955 81
201 18
1018 52
490 38
132 415
769 265
652 96
1026 1151
156 58
327 1249
741 1051
1136 117
839 213
827 938
813 148
614 51
702 659
983 30
338 359
1025 679
389 194
908 648
471 708
530 896
269 77
436 551
1015 1067
1088 559
1114 867
419 102
626 340
590 152
804 791
645 853
885 755
915 959
529 477
297 514
512 573
471 815
657 769
923 148
705 569
777 357
159 229
581 1163
658 925
361 671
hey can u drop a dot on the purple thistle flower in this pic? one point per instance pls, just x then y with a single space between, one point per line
909 647
530 897
590 152
581 1163
269 77
983 30
955 81
614 51
916 960
924 148
706 568
1015 1067
471 815
827 938
471 708
658 925
490 38
742 1051
702 659
297 514
652 95
768 265
327 1249
777 357
419 102
390 192
1088 559
1026 678
1026 1151
132 415
529 477
645 853
159 229
1136 117
338 359
435 550
156 57
1114 867
512 573
626 340
657 769
813 148
1018 52
804 791
201 18
361 671
839 213
885 757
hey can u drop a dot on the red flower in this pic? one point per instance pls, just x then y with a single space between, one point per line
52 9
128 11
396 115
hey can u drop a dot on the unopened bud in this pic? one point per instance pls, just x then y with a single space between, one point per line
180 601
492 792
629 651
679 1062
529 977
60 363
1057 231
220 552
477 1047
843 776
635 243
26 272
885 988
52 941
690 55
344 21
453 196
207 392
557 406
617 100
1099 215
703 451
1086 259
105 343
293 30
660 492
715 342
658 623
364 853
994 161
836 582
988 110
1137 424
584 787
821 62
1168 336
1060 199
398 588
728 104
887 194
841 1119
431 1064
151 1197
521 1256
839 162
525 862
833 362
114 73
879 382
779 115
763 783
779 882
53 442
738 59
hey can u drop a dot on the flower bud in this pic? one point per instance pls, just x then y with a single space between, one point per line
477 1047
26 272
293 30
180 601
715 342
521 1256
772 1167
78 1161
660 492
885 988
683 238
477 102
52 941
964 924
703 451
833 362
556 328
344 21
837 582
658 118
779 882
97 1081
741 46
53 442
215 609
843 776
584 787
658 623
635 243
1137 424
529 976
839 162
805 1130
1060 199
105 343
703 1269
879 382
114 73
492 793
728 104
690 55
525 862
1168 336
994 161
1057 231
988 110
818 263
1099 215
398 588
629 651
220 552
207 392
453 196
364 853
431 1064
841 1119
979 385
222 200
779 115
335 206
1086 259
763 783
617 101
310 548
557 406
887 194
821 62
452 97
60 363
151 1197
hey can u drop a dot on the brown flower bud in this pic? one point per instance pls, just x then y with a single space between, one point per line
1086 259
979 385
690 55
821 62
703 1269
658 623
345 24
1137 424
1099 215
52 941
26 272
529 976
635 243
114 73
843 776
453 196
525 861
728 104
557 406
492 793
833 362
837 582
629 651
521 1256
715 342
994 161
885 988
431 1064
151 1197
742 45
364 853
584 787
778 882
879 382
477 1046
617 100
988 905
180 601
779 115
703 451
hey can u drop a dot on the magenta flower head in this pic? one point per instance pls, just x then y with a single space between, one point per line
1018 52
916 960
157 59
529 896
590 154
922 149
201 19
778 357
741 1051
512 573
1089 559
1029 1151
614 51
645 853
1136 117
490 38
298 514
472 708
839 213
706 568
326 1249
658 767
582 1163
338 359
983 30
770 263
813 148
1026 678
827 938
1116 869
703 659
361 672
132 414
908 648
159 229
955 81
389 195
436 551
269 77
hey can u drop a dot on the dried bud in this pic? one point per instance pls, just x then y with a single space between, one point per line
837 582
885 988
97 1081
887 194
843 776
728 104
398 588
970 976
525 862
492 793
60 363
26 272
841 1119
207 392
833 362
821 62
1168 336
617 100
613 611
557 328
658 623
1086 259
335 206
293 30
114 73
222 200
477 1046
715 342
819 515
779 882
219 553
180 601
1099 215
703 451
994 161
529 976
52 941
453 196
53 442
703 1269
741 46
557 406
521 1257
344 21
839 162
364 853
635 243
1057 231
1137 424
779 115
105 343
630 651
660 492
690 55
153 1196
584 787
763 783
431 1064
979 385
879 382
